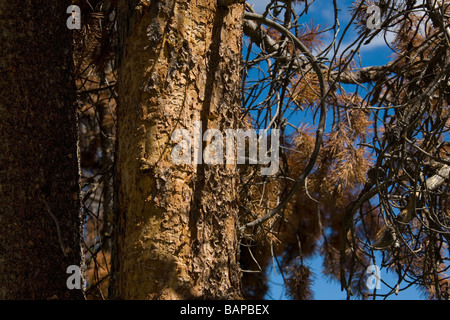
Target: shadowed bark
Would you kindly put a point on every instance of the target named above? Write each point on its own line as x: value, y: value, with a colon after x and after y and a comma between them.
x: 39, y: 174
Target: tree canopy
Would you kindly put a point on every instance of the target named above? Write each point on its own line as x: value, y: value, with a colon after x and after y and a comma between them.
x: 364, y: 154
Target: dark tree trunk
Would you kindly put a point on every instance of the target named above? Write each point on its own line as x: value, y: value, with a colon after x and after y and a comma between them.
x: 39, y: 171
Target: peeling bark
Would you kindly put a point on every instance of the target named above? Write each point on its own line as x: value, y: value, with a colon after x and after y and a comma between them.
x: 176, y: 234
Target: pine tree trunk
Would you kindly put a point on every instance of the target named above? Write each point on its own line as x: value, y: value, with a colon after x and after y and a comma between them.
x: 176, y: 236
x: 39, y: 173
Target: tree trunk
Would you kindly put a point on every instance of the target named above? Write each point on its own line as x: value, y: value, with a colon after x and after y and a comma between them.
x: 176, y: 236
x: 39, y: 172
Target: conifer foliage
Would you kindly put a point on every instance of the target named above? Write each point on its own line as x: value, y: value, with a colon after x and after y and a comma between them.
x: 364, y: 163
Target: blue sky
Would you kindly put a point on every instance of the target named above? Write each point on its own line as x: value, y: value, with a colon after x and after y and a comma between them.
x: 375, y: 53
x: 326, y: 289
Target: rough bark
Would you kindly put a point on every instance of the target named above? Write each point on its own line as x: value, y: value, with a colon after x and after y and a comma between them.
x: 176, y: 234
x: 39, y: 171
